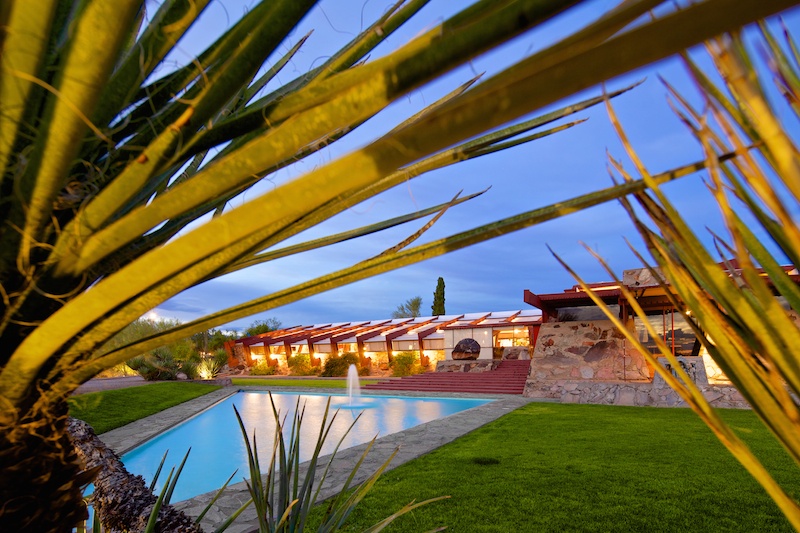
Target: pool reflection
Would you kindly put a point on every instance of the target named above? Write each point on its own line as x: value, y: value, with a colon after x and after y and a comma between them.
x: 218, y: 447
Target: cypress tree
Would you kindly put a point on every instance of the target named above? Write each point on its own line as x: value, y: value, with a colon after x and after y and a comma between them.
x: 438, y: 298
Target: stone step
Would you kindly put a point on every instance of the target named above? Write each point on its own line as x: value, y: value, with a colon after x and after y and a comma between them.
x: 508, y: 378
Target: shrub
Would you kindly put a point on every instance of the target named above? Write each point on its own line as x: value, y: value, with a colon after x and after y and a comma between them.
x: 159, y: 365
x: 405, y: 364
x: 209, y: 368
x: 191, y: 368
x: 262, y: 368
x: 300, y: 365
x: 337, y: 365
x: 221, y: 357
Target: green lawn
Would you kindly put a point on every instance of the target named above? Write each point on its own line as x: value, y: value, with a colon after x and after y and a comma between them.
x: 554, y: 468
x: 305, y: 383
x: 107, y: 410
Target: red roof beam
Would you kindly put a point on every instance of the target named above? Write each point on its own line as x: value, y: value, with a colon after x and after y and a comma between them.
x: 379, y: 331
x: 440, y: 325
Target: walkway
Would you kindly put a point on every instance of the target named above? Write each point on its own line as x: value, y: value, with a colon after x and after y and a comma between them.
x: 411, y: 444
x: 101, y: 384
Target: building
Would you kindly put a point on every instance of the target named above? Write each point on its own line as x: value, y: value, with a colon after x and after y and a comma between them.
x: 576, y: 353
x: 431, y: 338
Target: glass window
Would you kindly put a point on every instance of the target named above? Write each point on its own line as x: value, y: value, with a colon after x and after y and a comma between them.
x: 510, y: 336
x: 671, y: 327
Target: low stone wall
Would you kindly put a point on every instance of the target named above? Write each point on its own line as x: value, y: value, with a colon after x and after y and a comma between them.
x: 627, y: 393
x: 654, y: 393
x: 221, y: 381
x: 475, y: 365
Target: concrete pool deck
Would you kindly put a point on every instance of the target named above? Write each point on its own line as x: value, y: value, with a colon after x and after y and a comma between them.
x: 410, y: 444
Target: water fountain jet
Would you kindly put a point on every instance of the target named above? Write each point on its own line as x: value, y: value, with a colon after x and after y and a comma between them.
x: 353, y: 385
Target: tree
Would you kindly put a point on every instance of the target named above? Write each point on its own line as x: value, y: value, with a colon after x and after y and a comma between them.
x: 410, y: 309
x: 118, y: 172
x: 262, y: 326
x: 438, y: 298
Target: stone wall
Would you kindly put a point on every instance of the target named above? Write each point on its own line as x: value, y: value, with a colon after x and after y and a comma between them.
x: 593, y: 351
x: 476, y: 365
x: 654, y: 394
x: 638, y: 394
x: 590, y: 362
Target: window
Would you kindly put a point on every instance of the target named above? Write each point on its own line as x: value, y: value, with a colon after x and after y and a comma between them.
x: 671, y: 327
x: 510, y: 336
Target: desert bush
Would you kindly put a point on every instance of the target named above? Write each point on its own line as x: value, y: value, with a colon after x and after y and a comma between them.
x: 337, y: 365
x: 262, y: 368
x: 158, y: 365
x: 191, y: 367
x: 300, y: 365
x: 221, y: 357
x: 405, y: 364
x: 162, y: 365
x: 211, y: 367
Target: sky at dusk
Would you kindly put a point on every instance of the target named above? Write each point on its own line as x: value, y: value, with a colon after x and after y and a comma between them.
x: 493, y: 275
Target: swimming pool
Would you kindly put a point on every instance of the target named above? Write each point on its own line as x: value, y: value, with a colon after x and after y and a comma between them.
x: 218, y: 447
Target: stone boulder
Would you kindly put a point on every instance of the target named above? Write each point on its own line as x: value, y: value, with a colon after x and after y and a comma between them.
x: 466, y: 349
x: 516, y: 352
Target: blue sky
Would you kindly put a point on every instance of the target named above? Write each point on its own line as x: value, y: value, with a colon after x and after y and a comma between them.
x: 489, y: 276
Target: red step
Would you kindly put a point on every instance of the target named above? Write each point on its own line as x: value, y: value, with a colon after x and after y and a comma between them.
x: 508, y: 378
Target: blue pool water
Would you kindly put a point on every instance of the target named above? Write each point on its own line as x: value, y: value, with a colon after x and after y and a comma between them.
x: 218, y: 446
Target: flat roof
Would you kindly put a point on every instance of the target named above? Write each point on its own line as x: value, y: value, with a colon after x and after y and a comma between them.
x: 400, y: 329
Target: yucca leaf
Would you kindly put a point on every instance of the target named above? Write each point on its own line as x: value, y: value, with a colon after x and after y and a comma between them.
x: 168, y: 25
x: 89, y: 60
x: 153, y: 520
x: 158, y: 471
x: 380, y: 526
x: 425, y: 129
x: 23, y: 46
x: 217, y: 495
x: 170, y: 487
x: 345, y: 236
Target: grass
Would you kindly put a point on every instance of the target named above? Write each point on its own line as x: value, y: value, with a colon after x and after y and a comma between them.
x: 107, y: 410
x: 551, y: 467
x: 548, y: 467
x: 305, y: 383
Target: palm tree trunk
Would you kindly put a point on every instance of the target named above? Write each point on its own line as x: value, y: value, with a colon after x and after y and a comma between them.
x: 42, y: 477
x: 122, y: 501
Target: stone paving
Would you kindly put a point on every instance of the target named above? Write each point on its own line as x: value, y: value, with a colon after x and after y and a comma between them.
x: 409, y: 444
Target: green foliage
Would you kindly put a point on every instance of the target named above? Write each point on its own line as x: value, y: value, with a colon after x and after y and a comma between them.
x: 262, y: 326
x: 405, y: 364
x: 108, y: 410
x: 162, y: 364
x: 210, y: 367
x: 438, y: 298
x: 588, y: 468
x: 410, y: 309
x: 211, y: 340
x: 156, y: 366
x: 262, y: 368
x: 300, y: 365
x: 284, y: 496
x: 337, y: 366
x: 221, y: 357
